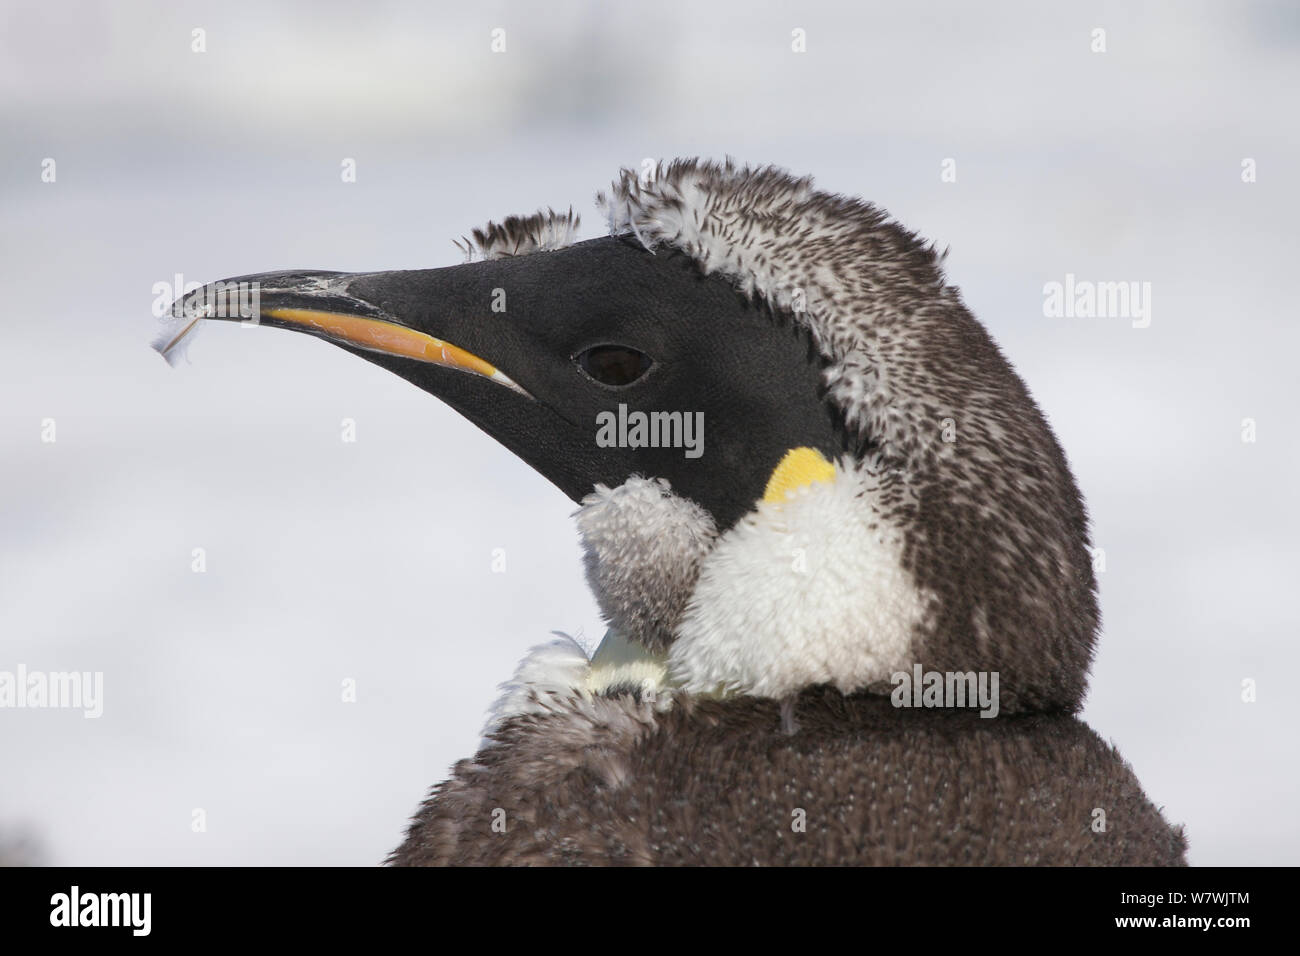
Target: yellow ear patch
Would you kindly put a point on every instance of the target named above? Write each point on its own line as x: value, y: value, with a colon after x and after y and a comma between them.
x: 799, y: 467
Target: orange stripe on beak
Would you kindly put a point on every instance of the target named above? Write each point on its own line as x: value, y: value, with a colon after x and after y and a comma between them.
x: 392, y: 339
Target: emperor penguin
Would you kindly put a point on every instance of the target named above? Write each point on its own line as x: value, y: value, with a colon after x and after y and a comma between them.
x: 821, y: 514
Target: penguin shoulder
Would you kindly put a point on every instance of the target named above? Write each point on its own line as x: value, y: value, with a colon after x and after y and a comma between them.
x: 721, y: 782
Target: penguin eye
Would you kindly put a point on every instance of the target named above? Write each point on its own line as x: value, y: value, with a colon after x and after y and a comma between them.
x: 615, y: 365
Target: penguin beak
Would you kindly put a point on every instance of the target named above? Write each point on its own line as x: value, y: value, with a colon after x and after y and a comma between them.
x: 322, y: 304
x: 447, y: 332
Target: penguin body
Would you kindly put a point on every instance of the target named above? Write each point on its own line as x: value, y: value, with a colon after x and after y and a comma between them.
x: 719, y: 783
x: 875, y: 493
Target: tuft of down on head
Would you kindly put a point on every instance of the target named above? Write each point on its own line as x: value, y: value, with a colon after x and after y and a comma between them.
x: 544, y: 231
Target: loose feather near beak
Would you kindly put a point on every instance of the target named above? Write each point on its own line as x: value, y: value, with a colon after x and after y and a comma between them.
x: 366, y: 332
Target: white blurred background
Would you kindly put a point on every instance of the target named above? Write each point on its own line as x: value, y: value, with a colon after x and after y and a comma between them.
x: 372, y: 560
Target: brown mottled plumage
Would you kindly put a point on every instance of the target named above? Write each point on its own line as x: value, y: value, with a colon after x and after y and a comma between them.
x: 718, y: 783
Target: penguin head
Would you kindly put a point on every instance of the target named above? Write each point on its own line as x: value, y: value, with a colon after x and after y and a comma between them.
x: 799, y: 459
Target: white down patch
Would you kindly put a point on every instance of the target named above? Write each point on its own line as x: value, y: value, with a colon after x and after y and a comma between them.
x: 548, y: 674
x: 558, y: 678
x: 811, y: 590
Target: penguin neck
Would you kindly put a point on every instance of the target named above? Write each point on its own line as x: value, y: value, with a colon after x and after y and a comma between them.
x: 621, y: 664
